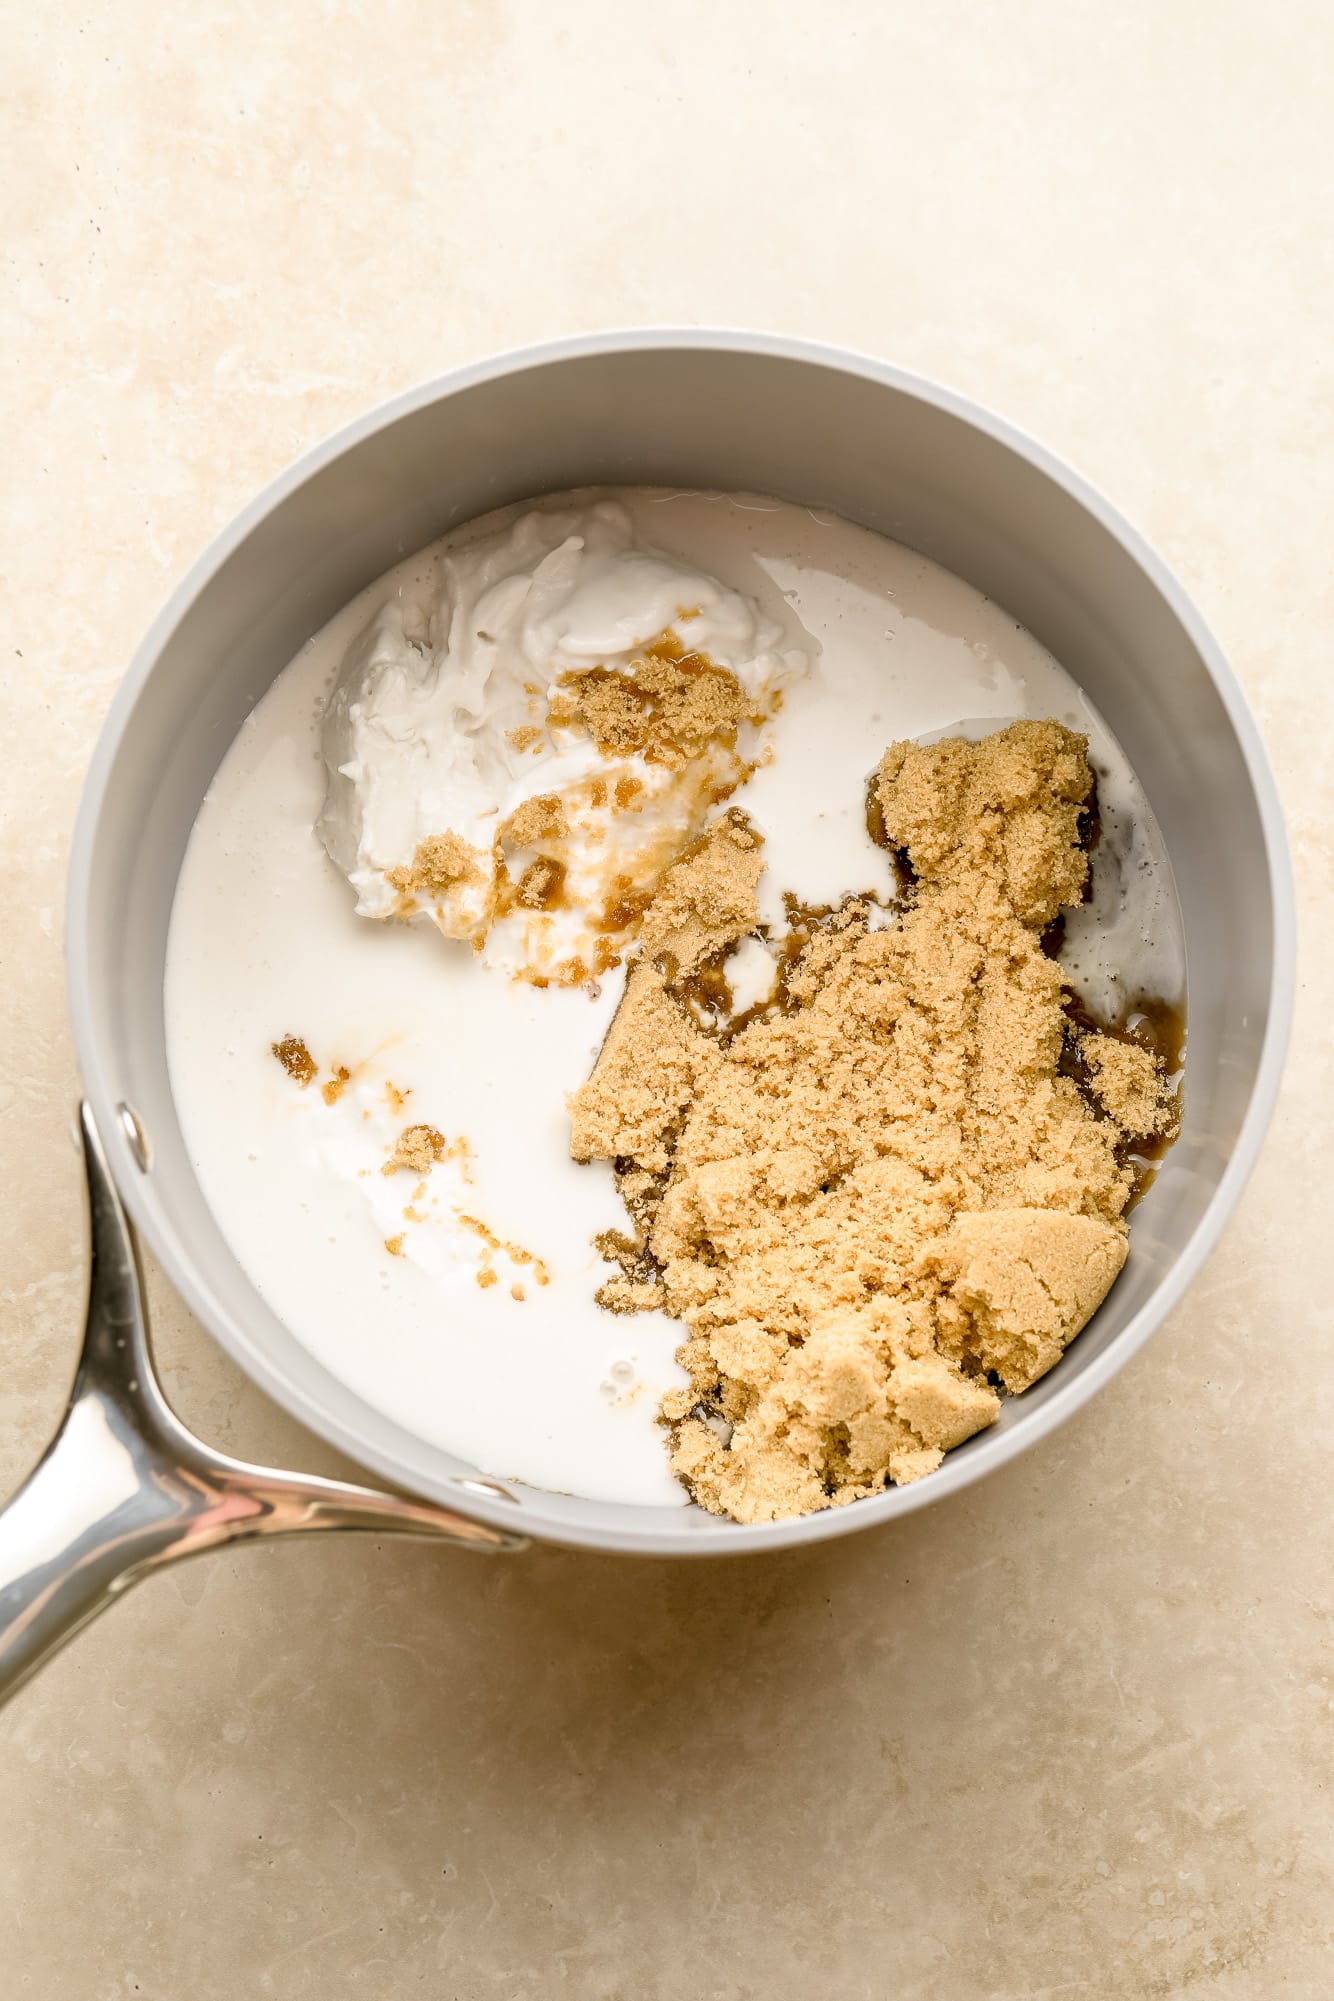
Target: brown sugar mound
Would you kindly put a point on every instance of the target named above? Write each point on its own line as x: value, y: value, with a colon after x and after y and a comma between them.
x: 882, y: 1202
x: 1003, y: 813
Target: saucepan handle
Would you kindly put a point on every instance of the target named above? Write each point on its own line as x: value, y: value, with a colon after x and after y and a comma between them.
x: 124, y: 1487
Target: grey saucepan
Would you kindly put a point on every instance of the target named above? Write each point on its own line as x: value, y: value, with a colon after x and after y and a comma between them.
x: 124, y: 1487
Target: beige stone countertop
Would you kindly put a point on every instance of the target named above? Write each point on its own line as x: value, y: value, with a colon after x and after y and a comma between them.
x: 1068, y: 1735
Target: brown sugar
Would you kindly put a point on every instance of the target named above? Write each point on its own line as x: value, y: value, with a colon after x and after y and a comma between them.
x: 1128, y: 1083
x: 882, y: 1201
x: 440, y: 863
x: 541, y: 818
x: 651, y: 1066
x: 417, y: 1149
x: 666, y: 706
x: 706, y: 899
x: 333, y: 1090
x: 491, y: 1243
x: 540, y: 884
x: 296, y: 1059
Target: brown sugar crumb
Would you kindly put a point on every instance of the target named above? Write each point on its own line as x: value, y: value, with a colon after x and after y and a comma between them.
x: 886, y: 1199
x: 706, y: 900
x: 514, y: 1252
x: 516, y: 1292
x: 417, y: 1149
x: 1129, y: 1083
x: 525, y: 737
x: 666, y: 706
x: 296, y: 1059
x: 333, y: 1090
x: 440, y: 864
x: 394, y: 1098
x: 541, y: 883
x: 628, y: 1295
x: 394, y: 1245
x: 485, y: 1277
x: 539, y: 819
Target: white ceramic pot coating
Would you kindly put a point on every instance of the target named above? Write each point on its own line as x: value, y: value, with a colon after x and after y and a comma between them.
x: 729, y: 411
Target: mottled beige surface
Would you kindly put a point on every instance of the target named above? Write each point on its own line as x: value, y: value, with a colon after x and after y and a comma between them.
x: 1069, y: 1735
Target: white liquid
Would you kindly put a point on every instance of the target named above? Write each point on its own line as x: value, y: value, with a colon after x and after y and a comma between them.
x: 550, y: 1389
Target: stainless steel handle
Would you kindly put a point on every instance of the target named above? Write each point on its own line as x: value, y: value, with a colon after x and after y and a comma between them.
x: 124, y: 1488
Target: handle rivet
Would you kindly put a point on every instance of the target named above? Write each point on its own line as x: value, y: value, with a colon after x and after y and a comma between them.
x: 491, y: 1488
x: 132, y: 1127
